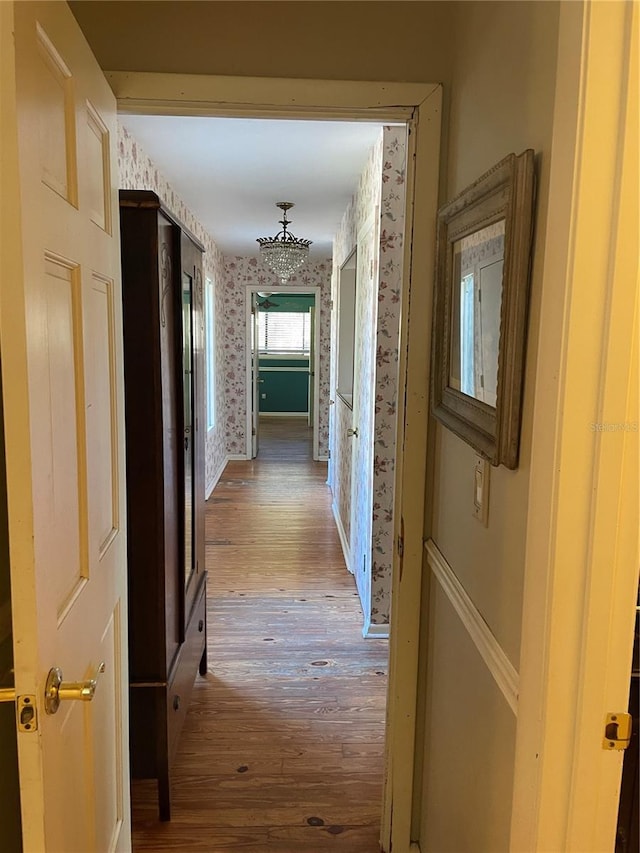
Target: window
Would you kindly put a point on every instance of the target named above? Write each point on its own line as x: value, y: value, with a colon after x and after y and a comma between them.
x: 210, y: 351
x: 283, y: 332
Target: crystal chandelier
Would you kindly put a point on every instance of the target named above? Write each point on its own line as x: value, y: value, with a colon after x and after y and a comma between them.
x: 284, y: 253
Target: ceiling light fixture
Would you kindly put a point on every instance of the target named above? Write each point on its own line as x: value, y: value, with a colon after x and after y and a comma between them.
x: 284, y: 253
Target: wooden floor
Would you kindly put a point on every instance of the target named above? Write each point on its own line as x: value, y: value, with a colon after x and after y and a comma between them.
x: 283, y: 743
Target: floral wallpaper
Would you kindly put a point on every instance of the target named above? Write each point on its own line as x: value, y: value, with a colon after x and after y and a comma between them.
x: 138, y: 172
x: 392, y: 207
x: 380, y: 194
x: 239, y: 273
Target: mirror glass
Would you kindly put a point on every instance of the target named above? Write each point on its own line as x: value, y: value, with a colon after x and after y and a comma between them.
x: 476, y: 299
x: 187, y: 389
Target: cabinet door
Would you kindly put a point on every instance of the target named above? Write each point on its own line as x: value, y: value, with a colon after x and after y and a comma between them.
x: 168, y: 268
x: 188, y: 423
x: 193, y: 417
x: 200, y: 415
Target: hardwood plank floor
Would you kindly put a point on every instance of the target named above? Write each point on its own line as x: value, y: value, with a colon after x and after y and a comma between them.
x: 282, y: 749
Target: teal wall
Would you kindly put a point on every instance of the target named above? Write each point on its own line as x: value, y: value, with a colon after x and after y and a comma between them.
x: 287, y: 302
x: 285, y: 391
x: 10, y: 828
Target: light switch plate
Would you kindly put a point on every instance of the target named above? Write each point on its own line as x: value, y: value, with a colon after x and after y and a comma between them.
x: 481, y: 490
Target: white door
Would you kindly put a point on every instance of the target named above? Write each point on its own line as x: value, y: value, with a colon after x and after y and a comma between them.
x: 255, y: 378
x: 312, y: 366
x: 60, y: 324
x: 361, y: 431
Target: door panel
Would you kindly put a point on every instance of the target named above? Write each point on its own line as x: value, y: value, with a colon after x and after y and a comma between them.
x: 361, y: 507
x: 255, y: 378
x: 101, y: 404
x: 62, y: 371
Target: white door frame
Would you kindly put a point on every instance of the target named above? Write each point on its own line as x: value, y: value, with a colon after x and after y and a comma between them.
x: 419, y: 105
x: 249, y: 291
x: 581, y: 570
x: 589, y: 246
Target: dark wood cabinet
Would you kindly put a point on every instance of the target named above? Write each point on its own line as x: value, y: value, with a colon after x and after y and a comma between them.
x: 163, y: 316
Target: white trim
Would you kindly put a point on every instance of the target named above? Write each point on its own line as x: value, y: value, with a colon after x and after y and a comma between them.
x: 503, y: 671
x: 301, y: 415
x: 322, y: 458
x: 237, y: 457
x: 270, y: 356
x: 283, y: 369
x: 361, y: 517
x: 581, y: 558
x: 199, y: 94
x: 419, y: 105
x: 375, y: 632
x: 412, y: 443
x: 343, y: 536
x: 214, y: 480
x: 248, y: 371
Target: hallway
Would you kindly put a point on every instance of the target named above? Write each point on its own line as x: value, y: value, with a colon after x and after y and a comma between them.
x: 282, y: 748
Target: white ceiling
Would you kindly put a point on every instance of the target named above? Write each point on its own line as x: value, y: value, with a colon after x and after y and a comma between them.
x: 230, y: 172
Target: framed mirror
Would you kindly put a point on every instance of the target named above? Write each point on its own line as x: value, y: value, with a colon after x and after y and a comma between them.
x: 483, y: 256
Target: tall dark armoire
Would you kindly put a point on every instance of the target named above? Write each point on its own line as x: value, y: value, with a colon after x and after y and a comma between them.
x: 163, y: 311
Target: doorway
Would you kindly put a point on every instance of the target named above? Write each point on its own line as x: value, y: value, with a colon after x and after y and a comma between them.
x: 397, y: 292
x: 284, y: 337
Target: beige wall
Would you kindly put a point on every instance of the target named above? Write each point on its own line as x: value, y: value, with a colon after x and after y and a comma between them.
x: 403, y: 41
x: 502, y: 95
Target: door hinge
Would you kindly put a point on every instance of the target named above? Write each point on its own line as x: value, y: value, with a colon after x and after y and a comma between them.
x: 617, y: 730
x: 253, y: 430
x: 400, y: 547
x: 328, y: 454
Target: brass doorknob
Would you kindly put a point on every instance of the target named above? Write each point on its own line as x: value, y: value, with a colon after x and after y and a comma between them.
x: 56, y: 690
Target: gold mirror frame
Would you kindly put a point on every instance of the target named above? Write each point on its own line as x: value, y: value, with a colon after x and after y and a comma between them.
x: 505, y: 192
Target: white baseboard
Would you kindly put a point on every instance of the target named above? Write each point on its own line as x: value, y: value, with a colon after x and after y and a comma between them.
x: 304, y: 415
x: 214, y: 480
x: 376, y: 632
x: 342, y: 535
x: 237, y: 457
x: 322, y: 459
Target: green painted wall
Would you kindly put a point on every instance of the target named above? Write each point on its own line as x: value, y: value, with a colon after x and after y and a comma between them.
x: 293, y: 302
x: 10, y: 828
x: 285, y: 391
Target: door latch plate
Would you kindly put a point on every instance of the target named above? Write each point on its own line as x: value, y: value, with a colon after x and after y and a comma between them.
x: 617, y: 731
x: 27, y: 713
